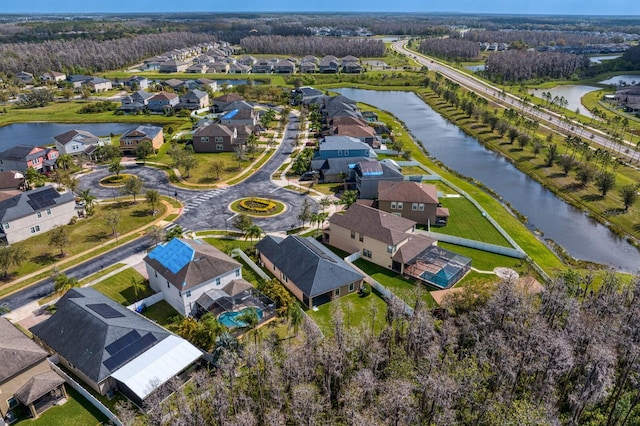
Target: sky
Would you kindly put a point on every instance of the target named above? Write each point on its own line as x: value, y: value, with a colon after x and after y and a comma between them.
x: 546, y: 7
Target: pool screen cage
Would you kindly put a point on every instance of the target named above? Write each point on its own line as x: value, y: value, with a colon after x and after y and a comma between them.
x: 438, y: 267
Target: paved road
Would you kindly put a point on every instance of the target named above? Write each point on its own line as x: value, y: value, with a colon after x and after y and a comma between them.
x: 542, y: 115
x: 207, y: 209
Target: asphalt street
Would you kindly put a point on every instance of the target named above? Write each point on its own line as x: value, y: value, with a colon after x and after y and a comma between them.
x: 205, y: 209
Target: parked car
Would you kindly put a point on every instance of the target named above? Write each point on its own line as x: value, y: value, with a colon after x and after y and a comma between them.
x: 306, y: 176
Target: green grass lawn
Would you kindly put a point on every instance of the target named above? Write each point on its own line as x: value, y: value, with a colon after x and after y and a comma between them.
x: 76, y: 411
x: 466, y: 221
x: 360, y: 312
x: 401, y: 287
x: 483, y: 260
x: 476, y: 277
x: 225, y: 245
x: 100, y: 273
x: 160, y: 313
x: 119, y: 287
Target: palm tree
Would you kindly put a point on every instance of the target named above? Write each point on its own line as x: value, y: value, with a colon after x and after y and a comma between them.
x: 250, y: 318
x: 295, y: 317
x: 318, y: 218
x: 33, y: 178
x: 88, y: 199
x: 254, y: 231
x: 64, y: 161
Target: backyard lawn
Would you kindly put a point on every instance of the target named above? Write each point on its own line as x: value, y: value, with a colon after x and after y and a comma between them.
x: 403, y: 288
x: 160, y: 313
x: 225, y: 245
x: 361, y: 312
x: 484, y: 260
x: 120, y: 288
x: 76, y: 411
x: 466, y: 221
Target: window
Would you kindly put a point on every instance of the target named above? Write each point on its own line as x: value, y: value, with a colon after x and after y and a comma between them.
x: 346, y: 152
x: 48, y: 212
x: 39, y: 215
x: 237, y: 273
x: 5, y: 225
x: 35, y: 229
x: 367, y: 253
x: 421, y: 207
x: 12, y: 402
x: 339, y: 153
x: 351, y: 286
x: 337, y: 291
x: 168, y: 285
x: 219, y: 147
x: 390, y: 249
x: 188, y: 293
x: 400, y: 205
x: 155, y: 273
x: 414, y: 207
x: 218, y: 139
x: 217, y: 281
x: 393, y: 205
x: 353, y: 235
x: 361, y: 237
x: 204, y: 139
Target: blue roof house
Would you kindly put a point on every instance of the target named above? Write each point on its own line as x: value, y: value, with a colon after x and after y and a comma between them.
x: 343, y: 146
x: 185, y: 270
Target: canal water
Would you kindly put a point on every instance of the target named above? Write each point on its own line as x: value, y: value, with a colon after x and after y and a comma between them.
x: 582, y: 237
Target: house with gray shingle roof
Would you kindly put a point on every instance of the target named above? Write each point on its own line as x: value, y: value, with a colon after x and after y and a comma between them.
x: 109, y: 347
x: 21, y: 157
x: 25, y: 374
x: 414, y: 200
x: 313, y: 273
x: 74, y: 142
x: 183, y: 270
x: 34, y: 212
x: 382, y: 238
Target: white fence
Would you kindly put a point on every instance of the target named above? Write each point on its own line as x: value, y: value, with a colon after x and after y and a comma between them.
x: 251, y: 263
x: 147, y: 301
x: 465, y: 242
x: 86, y: 394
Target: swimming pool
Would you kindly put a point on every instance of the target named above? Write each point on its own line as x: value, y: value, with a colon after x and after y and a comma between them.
x: 229, y: 319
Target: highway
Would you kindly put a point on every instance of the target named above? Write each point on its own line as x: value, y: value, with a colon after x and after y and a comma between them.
x: 545, y: 117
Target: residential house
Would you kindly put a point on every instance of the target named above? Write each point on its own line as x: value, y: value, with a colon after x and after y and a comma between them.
x: 194, y: 100
x: 34, y: 212
x: 21, y: 157
x: 240, y: 116
x: 356, y: 128
x: 204, y: 83
x: 77, y: 80
x: 312, y: 272
x: 215, y: 138
x: 370, y: 116
x: 239, y: 69
x: 247, y: 60
x: 111, y: 348
x: 197, y: 69
x: 221, y: 102
x: 53, y: 76
x: 343, y: 146
x: 154, y: 63
x: 218, y: 67
x: 75, y: 142
x: 162, y: 102
x: 262, y: 66
x: 136, y: 83
x: 184, y: 270
x: 382, y: 238
x: 130, y: 140
x: 309, y: 58
x: 25, y: 77
x: 284, y: 66
x: 173, y: 66
x: 628, y: 97
x: 203, y: 59
x: 413, y: 200
x: 11, y: 183
x: 351, y: 65
x: 335, y: 170
x: 174, y: 83
x: 97, y: 84
x: 25, y: 374
x: 304, y: 95
x: 368, y: 174
x: 329, y: 65
x: 307, y: 67
x: 135, y: 102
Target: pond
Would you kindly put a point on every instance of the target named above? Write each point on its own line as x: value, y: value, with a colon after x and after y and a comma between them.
x: 582, y: 237
x: 572, y: 93
x: 232, y: 82
x: 476, y: 68
x: 624, y: 79
x: 599, y: 59
x: 43, y: 133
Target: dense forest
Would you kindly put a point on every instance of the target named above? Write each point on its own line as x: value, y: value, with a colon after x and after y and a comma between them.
x: 90, y: 56
x: 453, y: 49
x: 503, y: 356
x: 319, y: 46
x: 541, y: 38
x: 629, y: 61
x: 523, y: 65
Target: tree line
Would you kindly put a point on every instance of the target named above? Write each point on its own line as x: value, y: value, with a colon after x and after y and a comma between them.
x: 319, y: 46
x: 569, y: 355
x: 525, y: 65
x: 454, y: 49
x: 539, y: 38
x: 89, y: 56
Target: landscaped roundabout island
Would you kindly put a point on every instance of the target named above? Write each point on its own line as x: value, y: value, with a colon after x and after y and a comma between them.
x: 116, y: 180
x: 259, y: 207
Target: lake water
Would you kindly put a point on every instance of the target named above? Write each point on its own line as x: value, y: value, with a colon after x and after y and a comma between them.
x: 622, y: 79
x: 43, y: 133
x: 232, y: 82
x: 582, y: 237
x: 598, y: 59
x: 476, y: 68
x: 572, y: 93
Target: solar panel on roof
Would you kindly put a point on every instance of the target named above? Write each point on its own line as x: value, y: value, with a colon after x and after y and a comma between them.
x: 43, y: 199
x: 122, y: 342
x: 129, y: 352
x: 105, y: 311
